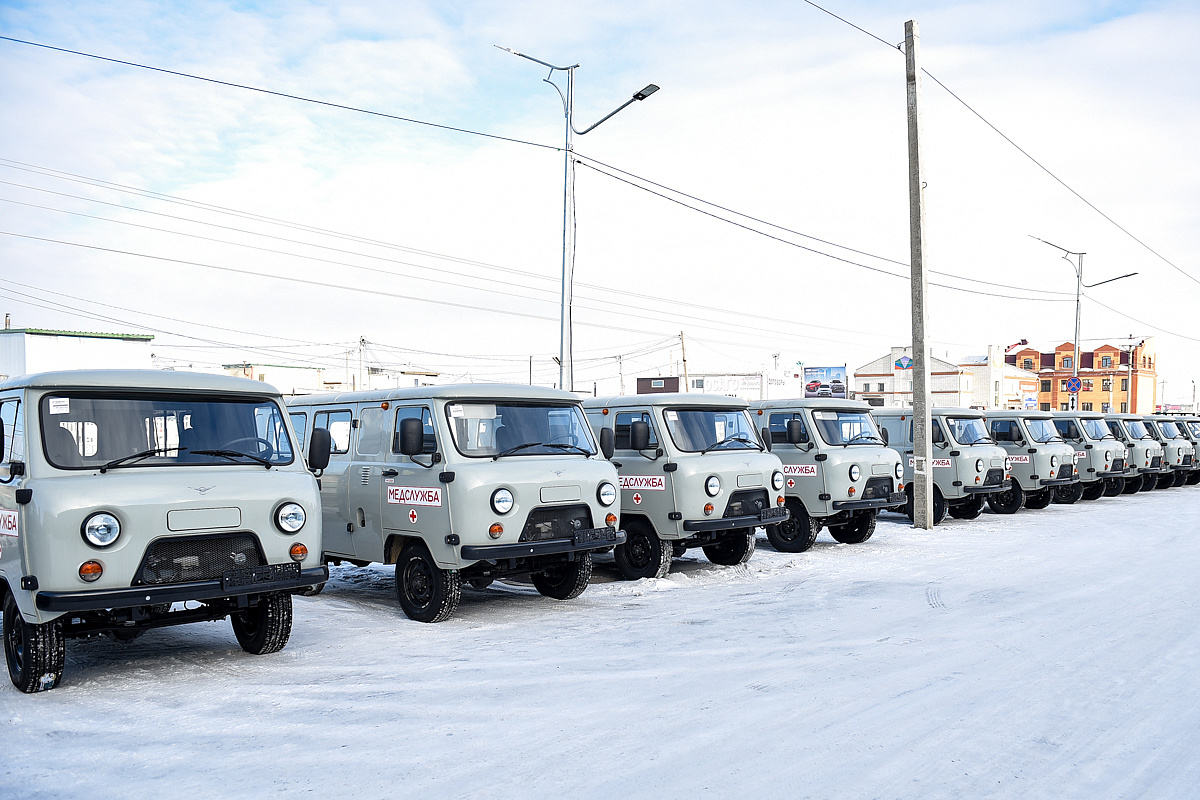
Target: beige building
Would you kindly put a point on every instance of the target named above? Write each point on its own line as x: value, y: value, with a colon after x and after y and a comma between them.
x: 888, y: 381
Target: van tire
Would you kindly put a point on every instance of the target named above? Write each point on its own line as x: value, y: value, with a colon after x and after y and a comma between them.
x: 939, y: 504
x: 795, y: 534
x: 314, y: 590
x: 426, y: 592
x: 857, y: 531
x: 564, y: 581
x: 1008, y: 501
x: 643, y: 555
x: 35, y: 653
x: 266, y: 626
x: 970, y: 508
x: 1134, y: 485
x: 1069, y: 494
x: 1165, y: 480
x: 1193, y: 477
x: 1180, y: 478
x: 734, y: 548
x: 1041, y: 499
x: 1114, y: 486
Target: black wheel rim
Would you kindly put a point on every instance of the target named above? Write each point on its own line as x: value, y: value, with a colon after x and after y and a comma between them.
x: 14, y: 641
x: 418, y: 582
x: 249, y: 621
x: 789, y: 530
x: 638, y: 550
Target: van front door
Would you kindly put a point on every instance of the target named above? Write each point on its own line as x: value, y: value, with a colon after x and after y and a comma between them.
x: 414, y: 500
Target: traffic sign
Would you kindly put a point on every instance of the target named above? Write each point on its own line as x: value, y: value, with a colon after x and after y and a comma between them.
x: 1074, y: 385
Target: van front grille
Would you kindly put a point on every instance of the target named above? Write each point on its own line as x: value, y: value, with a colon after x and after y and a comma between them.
x: 556, y: 522
x: 197, y: 558
x: 993, y: 477
x: 751, y: 501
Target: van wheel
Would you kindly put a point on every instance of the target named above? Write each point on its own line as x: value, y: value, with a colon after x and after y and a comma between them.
x: 795, y: 534
x: 1193, y: 477
x: 1133, y: 485
x: 734, y: 548
x: 1008, y: 501
x: 35, y: 653
x: 564, y: 581
x: 427, y: 593
x: 643, y: 555
x: 857, y: 531
x: 1066, y: 495
x: 1036, y: 500
x: 939, y: 504
x: 1165, y: 480
x: 1153, y: 482
x: 970, y: 508
x: 1180, y: 477
x: 266, y: 626
x: 1113, y: 486
x: 1095, y: 490
x: 314, y: 590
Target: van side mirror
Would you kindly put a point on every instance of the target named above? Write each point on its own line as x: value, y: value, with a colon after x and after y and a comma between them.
x: 639, y: 435
x: 766, y: 437
x: 320, y: 443
x: 412, y: 437
x: 1, y: 438
x: 608, y: 442
x: 884, y: 435
x: 795, y: 432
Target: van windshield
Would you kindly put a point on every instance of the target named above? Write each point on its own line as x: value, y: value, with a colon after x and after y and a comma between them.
x: 1137, y: 429
x: 1096, y: 429
x: 82, y: 430
x: 495, y: 430
x: 1168, y: 430
x: 1042, y: 430
x: 846, y: 427
x: 1194, y: 427
x: 968, y: 430
x: 696, y: 430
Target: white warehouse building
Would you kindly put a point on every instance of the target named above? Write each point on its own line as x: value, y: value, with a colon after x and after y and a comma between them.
x: 888, y: 381
x: 24, y: 351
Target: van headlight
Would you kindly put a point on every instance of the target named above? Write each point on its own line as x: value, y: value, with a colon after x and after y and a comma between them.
x: 606, y: 493
x: 899, y: 470
x: 290, y: 517
x: 855, y: 472
x: 712, y: 486
x: 1054, y: 461
x: 502, y: 501
x: 777, y: 480
x: 101, y: 529
x: 979, y: 465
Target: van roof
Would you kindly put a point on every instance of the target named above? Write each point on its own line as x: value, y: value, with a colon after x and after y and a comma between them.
x: 666, y: 399
x: 451, y: 391
x: 1018, y: 413
x: 1077, y: 414
x: 813, y: 402
x: 953, y: 411
x: 157, y: 379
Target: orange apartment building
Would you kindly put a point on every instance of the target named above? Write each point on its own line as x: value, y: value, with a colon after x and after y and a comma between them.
x: 1115, y: 379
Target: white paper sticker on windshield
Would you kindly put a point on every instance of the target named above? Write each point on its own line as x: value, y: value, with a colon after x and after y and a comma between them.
x: 672, y: 416
x: 60, y: 405
x: 456, y: 411
x: 825, y: 415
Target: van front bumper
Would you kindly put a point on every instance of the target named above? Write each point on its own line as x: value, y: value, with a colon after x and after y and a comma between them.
x: 101, y: 599
x: 584, y: 541
x: 768, y: 516
x: 893, y: 499
x: 1002, y: 486
x: 1060, y: 481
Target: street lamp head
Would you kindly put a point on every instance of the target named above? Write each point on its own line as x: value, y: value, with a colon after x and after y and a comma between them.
x: 644, y: 93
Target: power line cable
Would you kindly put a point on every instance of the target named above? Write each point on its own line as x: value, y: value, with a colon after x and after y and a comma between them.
x: 284, y: 94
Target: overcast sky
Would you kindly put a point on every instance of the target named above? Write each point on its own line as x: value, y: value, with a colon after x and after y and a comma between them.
x: 443, y: 249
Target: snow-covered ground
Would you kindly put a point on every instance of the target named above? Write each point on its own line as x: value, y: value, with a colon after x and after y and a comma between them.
x: 1049, y: 654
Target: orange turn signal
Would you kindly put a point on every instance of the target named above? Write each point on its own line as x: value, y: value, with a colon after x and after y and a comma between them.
x: 298, y: 552
x: 851, y: 491
x: 708, y: 509
x: 90, y: 570
x: 779, y: 500
x: 611, y: 520
x: 496, y: 531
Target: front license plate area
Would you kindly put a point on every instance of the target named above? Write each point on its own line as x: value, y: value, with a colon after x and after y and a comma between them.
x: 254, y: 576
x: 773, y: 513
x: 595, y: 535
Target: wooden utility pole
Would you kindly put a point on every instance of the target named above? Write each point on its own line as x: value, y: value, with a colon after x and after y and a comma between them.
x: 922, y: 440
x: 683, y: 352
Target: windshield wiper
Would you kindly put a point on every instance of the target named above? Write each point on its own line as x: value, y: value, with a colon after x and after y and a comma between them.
x: 231, y: 454
x: 515, y: 448
x: 134, y: 457
x: 729, y: 439
x: 864, y: 435
x: 566, y: 446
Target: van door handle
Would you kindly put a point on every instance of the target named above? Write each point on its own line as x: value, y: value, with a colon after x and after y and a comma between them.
x: 389, y: 473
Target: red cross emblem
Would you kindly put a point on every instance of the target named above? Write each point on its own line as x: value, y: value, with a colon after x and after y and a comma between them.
x: 637, y: 498
x: 791, y: 483
x: 412, y: 515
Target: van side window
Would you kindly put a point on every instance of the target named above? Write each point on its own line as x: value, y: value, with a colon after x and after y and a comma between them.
x: 370, y: 431
x: 299, y: 422
x: 1066, y: 429
x: 621, y: 428
x: 338, y: 425
x: 778, y: 425
x: 1003, y: 430
x: 14, y: 433
x: 421, y: 413
x: 1116, y: 429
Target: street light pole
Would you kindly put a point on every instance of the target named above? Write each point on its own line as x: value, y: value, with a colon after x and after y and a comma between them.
x: 566, y: 358
x: 1077, y: 265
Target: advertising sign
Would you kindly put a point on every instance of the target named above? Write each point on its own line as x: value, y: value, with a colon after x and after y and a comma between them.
x: 825, y: 382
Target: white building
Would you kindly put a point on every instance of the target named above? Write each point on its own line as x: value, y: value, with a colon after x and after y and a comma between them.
x: 888, y: 381
x: 998, y: 384
x: 24, y: 351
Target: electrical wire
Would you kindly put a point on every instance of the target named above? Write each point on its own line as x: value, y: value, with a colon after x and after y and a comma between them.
x: 283, y: 94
